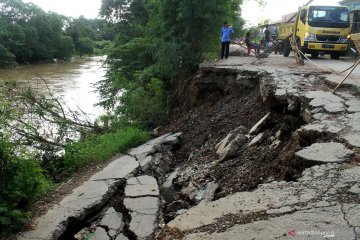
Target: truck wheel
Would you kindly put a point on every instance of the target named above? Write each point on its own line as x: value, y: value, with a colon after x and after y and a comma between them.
x: 286, y: 49
x: 335, y: 55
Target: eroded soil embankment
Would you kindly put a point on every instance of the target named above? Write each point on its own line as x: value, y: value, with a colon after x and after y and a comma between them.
x: 223, y: 101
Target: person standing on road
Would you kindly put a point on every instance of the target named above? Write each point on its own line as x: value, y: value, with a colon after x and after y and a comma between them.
x: 267, y: 38
x: 225, y: 34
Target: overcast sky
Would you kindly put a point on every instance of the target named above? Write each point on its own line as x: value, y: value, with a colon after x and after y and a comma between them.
x: 275, y: 9
x: 70, y: 8
x: 90, y: 8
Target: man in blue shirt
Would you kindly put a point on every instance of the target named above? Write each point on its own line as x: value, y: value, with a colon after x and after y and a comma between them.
x: 225, y: 34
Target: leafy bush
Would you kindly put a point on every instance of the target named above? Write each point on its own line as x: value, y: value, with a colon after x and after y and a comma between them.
x: 22, y: 182
x: 143, y: 103
x: 103, y: 47
x: 84, y: 46
x: 98, y: 148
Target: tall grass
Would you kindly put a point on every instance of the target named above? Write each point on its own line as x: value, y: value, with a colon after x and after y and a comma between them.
x: 96, y: 148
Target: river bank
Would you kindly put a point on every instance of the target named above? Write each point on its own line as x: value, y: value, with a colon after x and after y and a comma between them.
x: 254, y: 140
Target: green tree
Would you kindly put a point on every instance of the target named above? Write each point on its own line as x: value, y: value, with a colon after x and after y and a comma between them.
x: 65, y: 48
x: 6, y: 57
x: 30, y: 33
x: 161, y: 39
x: 84, y: 46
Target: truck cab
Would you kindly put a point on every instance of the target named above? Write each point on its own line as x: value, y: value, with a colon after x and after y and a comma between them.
x: 322, y: 29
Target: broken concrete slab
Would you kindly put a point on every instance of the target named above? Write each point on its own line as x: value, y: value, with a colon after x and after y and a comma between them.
x: 355, y: 189
x: 328, y: 100
x: 315, y: 185
x: 154, y: 145
x: 100, y: 234
x: 117, y: 169
x: 324, y: 126
x: 325, y: 153
x: 318, y: 223
x: 143, y: 151
x: 92, y: 194
x: 260, y: 124
x: 51, y: 225
x: 141, y: 186
x: 353, y: 139
x: 353, y: 105
x: 113, y: 221
x: 88, y: 195
x: 144, y: 205
x: 144, y: 215
x: 121, y: 237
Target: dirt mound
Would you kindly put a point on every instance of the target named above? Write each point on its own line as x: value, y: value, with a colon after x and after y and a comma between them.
x: 206, y: 125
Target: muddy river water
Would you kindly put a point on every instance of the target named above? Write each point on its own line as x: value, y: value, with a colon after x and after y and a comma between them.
x: 72, y: 82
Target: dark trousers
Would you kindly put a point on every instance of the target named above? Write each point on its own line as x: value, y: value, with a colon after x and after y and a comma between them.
x: 225, y: 47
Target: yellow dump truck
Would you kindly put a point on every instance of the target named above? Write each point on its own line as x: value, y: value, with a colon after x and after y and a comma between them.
x: 320, y: 29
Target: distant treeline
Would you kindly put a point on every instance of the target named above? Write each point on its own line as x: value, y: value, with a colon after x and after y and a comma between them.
x: 29, y: 34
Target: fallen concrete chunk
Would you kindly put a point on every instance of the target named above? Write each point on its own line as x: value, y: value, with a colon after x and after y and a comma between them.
x: 233, y: 147
x: 260, y: 124
x: 275, y: 144
x: 257, y: 140
x: 141, y: 186
x: 220, y: 147
x: 190, y: 191
x: 210, y: 191
x: 325, y: 152
x: 144, y: 215
x: 113, y: 221
x: 170, y: 178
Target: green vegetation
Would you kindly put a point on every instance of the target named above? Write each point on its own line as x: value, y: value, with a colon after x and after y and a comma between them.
x: 154, y: 47
x: 97, y: 148
x: 6, y: 57
x: 25, y: 175
x: 31, y: 35
x: 162, y: 40
x: 22, y: 180
x: 84, y: 46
